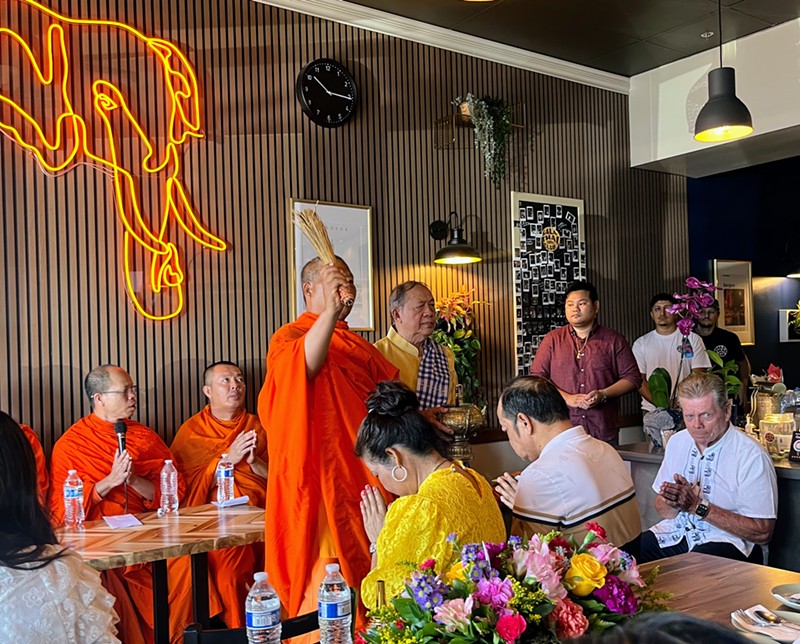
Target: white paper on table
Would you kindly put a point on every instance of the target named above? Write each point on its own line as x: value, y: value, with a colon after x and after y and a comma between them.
x: 239, y: 500
x: 122, y: 521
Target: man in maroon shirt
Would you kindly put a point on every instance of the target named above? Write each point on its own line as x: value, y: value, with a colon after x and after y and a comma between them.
x: 591, y: 365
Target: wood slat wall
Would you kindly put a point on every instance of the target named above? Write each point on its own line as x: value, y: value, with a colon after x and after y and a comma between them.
x: 64, y: 309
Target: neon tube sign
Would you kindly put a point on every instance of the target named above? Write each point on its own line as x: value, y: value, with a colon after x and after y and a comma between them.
x: 62, y: 144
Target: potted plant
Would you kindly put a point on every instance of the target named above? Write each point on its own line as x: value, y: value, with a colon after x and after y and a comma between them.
x: 455, y: 330
x: 492, y: 120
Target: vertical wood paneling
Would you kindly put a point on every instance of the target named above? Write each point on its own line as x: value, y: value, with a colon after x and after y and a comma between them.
x: 64, y: 307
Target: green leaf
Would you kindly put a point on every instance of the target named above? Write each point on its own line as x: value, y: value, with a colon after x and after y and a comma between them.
x: 714, y: 356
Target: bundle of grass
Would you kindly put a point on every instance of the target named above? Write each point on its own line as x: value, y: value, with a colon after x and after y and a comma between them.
x: 314, y: 229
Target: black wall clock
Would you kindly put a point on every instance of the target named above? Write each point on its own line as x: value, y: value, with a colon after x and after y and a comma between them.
x: 326, y: 92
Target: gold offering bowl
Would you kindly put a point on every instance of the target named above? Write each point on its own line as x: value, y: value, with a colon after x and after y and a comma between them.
x: 465, y: 421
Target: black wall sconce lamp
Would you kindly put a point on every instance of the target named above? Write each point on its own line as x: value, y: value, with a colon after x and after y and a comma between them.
x: 457, y: 250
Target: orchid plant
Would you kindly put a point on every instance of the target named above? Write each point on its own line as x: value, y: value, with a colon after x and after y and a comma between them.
x: 700, y: 296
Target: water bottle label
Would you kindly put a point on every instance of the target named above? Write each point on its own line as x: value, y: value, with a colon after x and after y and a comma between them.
x: 73, y: 493
x: 334, y: 610
x: 265, y: 619
x: 225, y: 473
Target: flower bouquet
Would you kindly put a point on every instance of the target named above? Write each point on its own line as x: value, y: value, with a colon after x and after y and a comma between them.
x: 536, y: 591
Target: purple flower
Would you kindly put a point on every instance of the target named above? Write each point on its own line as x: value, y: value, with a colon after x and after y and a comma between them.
x: 705, y: 300
x: 452, y: 537
x: 494, y: 592
x: 693, y: 282
x: 675, y: 309
x: 685, y: 325
x: 617, y: 596
x: 514, y: 541
x: 693, y: 309
x: 428, y: 590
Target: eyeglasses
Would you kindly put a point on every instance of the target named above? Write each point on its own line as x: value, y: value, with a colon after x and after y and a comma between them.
x: 133, y: 389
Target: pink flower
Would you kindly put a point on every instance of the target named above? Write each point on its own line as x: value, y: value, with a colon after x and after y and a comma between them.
x: 569, y: 619
x: 631, y: 575
x: 693, y: 282
x: 685, y: 325
x: 539, y: 565
x: 595, y: 527
x: 454, y: 613
x: 428, y: 564
x: 494, y: 592
x: 693, y: 308
x: 510, y: 627
x: 606, y: 554
x: 705, y: 300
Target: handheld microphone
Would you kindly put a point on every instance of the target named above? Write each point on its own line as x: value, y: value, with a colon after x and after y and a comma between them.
x: 120, y: 428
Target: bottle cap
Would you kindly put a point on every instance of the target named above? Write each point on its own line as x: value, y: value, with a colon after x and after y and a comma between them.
x: 260, y: 576
x: 224, y: 456
x: 72, y: 471
x: 332, y: 568
x: 167, y: 460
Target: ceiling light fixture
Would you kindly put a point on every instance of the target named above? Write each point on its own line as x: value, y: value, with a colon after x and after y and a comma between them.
x: 457, y: 250
x: 724, y: 117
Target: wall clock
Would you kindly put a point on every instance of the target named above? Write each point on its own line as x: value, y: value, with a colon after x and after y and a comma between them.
x: 326, y: 92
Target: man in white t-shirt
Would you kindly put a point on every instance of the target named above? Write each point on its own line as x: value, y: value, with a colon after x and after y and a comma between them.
x: 716, y: 489
x: 573, y: 478
x: 665, y: 346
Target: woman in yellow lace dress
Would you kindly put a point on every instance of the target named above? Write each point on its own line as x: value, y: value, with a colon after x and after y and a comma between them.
x: 436, y: 496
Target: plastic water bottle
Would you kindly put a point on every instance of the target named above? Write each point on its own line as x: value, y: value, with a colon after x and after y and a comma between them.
x: 263, y: 612
x: 73, y: 500
x: 334, y: 612
x: 224, y: 480
x: 169, y: 489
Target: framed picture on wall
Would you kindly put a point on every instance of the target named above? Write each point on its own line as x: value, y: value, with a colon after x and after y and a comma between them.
x: 547, y: 238
x: 787, y: 331
x: 350, y: 230
x: 735, y: 295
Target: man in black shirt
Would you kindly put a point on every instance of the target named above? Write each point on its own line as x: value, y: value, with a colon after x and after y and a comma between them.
x: 725, y: 344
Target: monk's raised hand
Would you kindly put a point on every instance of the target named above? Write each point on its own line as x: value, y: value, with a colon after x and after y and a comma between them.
x: 332, y: 277
x: 373, y: 512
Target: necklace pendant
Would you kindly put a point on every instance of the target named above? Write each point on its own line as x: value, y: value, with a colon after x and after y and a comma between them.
x: 579, y: 355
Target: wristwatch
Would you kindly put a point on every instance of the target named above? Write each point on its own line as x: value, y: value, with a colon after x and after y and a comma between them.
x: 702, y: 509
x: 373, y: 547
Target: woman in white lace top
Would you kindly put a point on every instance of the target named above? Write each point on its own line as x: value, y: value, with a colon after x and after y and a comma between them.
x: 48, y: 594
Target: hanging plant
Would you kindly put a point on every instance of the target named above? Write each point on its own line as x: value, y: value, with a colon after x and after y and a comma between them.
x: 492, y: 120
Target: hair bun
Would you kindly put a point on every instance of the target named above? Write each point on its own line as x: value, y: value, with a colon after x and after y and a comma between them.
x: 392, y: 398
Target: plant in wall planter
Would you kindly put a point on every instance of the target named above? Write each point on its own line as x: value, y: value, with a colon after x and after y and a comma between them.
x: 492, y: 120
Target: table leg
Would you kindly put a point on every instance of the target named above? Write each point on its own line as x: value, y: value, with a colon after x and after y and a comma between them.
x: 200, y: 588
x: 160, y: 601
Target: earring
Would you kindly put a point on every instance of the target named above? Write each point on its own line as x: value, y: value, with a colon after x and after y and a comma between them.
x: 405, y: 473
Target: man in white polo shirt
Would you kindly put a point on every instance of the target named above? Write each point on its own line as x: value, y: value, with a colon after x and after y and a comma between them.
x: 716, y: 489
x: 573, y: 478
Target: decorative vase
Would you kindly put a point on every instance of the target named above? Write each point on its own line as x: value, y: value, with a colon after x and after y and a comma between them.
x: 465, y: 421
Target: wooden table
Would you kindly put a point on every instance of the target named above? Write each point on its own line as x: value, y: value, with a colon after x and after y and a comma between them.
x: 194, y: 531
x: 712, y: 587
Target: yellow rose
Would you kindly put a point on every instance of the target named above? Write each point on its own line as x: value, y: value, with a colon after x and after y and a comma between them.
x: 456, y: 572
x: 584, y: 575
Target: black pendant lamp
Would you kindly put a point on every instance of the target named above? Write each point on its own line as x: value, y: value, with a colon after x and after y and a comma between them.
x: 724, y: 117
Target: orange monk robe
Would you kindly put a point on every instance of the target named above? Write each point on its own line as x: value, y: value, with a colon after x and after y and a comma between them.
x: 42, y: 481
x: 89, y: 447
x: 315, y: 480
x: 197, y: 447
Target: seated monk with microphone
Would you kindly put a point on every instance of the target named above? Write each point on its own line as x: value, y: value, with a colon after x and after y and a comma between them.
x: 119, y: 461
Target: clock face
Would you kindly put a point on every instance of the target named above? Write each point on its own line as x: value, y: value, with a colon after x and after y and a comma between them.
x: 327, y: 92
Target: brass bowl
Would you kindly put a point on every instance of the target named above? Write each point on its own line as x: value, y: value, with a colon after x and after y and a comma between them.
x: 465, y: 421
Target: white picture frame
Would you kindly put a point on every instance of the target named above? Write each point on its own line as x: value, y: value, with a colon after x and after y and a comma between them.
x: 350, y: 230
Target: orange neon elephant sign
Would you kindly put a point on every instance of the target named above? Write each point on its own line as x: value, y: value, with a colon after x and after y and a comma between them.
x: 64, y: 114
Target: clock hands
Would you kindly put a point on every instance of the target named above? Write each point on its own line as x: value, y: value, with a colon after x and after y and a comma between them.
x: 329, y: 92
x: 349, y: 98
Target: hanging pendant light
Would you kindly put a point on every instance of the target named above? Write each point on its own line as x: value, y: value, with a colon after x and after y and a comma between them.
x: 724, y: 117
x: 457, y: 250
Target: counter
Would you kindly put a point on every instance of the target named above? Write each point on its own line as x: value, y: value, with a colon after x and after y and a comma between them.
x: 783, y: 549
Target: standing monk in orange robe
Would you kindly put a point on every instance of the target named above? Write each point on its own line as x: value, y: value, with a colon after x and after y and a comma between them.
x: 224, y: 426
x: 90, y: 447
x: 42, y: 481
x: 319, y: 373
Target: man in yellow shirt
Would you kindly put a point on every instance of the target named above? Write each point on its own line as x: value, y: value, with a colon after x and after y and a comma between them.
x: 425, y: 367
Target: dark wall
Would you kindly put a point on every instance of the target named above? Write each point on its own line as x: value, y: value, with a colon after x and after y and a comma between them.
x: 64, y: 310
x: 752, y: 214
